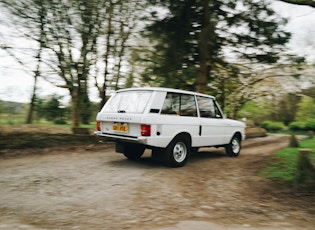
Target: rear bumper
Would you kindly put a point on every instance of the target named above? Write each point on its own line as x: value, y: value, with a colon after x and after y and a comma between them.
x: 117, y: 138
x: 151, y: 141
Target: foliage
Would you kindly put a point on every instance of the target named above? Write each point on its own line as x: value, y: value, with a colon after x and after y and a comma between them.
x: 308, y: 125
x: 254, y: 34
x: 306, y: 109
x: 295, y: 111
x: 187, y: 18
x: 297, y: 125
x: 255, y: 111
x: 69, y: 42
x: 116, y: 47
x: 286, y: 108
x: 272, y: 126
x: 51, y: 110
x: 309, y: 91
x: 15, y: 113
x: 189, y: 46
x: 195, y: 40
x: 12, y: 112
x: 284, y: 164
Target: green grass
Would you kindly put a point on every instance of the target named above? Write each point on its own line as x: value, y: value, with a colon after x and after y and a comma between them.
x: 285, y: 162
x: 290, y: 132
x: 20, y: 120
x: 11, y: 119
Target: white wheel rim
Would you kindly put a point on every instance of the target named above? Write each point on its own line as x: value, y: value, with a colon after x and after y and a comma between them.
x: 235, y: 146
x: 179, y: 152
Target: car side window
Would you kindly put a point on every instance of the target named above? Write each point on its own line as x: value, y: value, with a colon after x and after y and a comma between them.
x: 171, y: 104
x: 208, y: 108
x: 188, y: 105
x: 217, y: 111
x: 179, y: 104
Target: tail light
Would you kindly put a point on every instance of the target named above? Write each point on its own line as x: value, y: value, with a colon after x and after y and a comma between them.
x: 145, y: 130
x: 98, y: 125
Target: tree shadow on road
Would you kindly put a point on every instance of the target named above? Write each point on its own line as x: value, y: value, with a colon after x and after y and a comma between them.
x: 207, y: 153
x: 147, y: 162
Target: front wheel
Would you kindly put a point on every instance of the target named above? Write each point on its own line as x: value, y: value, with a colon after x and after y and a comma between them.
x: 234, y: 147
x: 177, y: 152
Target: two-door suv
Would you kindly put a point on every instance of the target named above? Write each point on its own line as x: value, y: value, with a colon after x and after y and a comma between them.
x: 171, y: 122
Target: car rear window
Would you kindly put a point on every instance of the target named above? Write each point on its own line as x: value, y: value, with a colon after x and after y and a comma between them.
x: 128, y: 102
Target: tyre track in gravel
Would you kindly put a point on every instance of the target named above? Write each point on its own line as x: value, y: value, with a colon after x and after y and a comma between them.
x: 95, y: 188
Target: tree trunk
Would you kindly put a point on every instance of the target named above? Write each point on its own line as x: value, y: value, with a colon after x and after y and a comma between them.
x: 29, y: 118
x: 202, y: 77
x: 204, y: 54
x: 207, y: 41
x: 42, y: 15
x: 75, y: 100
x: 222, y: 99
x: 106, y: 55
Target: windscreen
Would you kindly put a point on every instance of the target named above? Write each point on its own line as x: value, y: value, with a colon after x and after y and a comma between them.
x: 128, y: 102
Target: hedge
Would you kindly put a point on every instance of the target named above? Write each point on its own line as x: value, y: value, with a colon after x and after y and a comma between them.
x: 272, y: 126
x: 302, y: 125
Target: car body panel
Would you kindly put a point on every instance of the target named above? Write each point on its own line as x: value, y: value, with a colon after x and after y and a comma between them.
x: 146, y: 106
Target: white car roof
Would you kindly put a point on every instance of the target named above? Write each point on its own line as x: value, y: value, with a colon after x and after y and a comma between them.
x: 161, y: 89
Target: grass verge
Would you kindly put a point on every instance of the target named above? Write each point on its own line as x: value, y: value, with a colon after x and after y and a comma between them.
x: 43, y: 140
x: 284, y: 164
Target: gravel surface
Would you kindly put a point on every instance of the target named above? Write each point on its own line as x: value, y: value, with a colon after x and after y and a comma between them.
x: 92, y: 187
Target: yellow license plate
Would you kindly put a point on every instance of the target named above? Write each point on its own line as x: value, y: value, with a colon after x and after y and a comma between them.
x: 120, y: 127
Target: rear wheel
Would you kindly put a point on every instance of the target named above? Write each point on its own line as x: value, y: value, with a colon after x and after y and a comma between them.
x: 177, y: 152
x: 133, y: 151
x: 234, y: 147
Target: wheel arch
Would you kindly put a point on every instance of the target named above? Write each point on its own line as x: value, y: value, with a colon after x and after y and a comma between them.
x: 238, y: 135
x: 184, y: 135
x: 178, y: 150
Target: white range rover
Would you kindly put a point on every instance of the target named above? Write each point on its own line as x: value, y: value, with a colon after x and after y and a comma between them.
x: 171, y: 122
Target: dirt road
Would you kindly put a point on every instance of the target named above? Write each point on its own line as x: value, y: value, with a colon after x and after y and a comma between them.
x: 92, y: 187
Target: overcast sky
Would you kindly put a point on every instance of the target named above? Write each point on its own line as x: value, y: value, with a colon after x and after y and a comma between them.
x: 16, y: 84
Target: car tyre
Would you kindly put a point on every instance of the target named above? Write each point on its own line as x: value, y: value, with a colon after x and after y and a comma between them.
x: 234, y: 147
x: 177, y: 152
x: 133, y: 151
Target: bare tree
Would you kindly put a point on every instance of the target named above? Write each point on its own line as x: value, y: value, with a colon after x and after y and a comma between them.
x: 37, y: 72
x: 259, y: 81
x: 78, y: 39
x: 122, y: 19
x: 310, y: 3
x: 67, y: 34
x: 71, y: 39
x: 29, y: 16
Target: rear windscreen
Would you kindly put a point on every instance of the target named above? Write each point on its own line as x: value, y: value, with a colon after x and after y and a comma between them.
x: 128, y: 102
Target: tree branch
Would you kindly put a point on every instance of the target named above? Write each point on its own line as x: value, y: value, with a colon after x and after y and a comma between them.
x: 310, y: 3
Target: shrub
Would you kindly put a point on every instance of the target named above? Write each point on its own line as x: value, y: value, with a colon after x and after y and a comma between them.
x: 272, y: 126
x: 60, y: 121
x: 310, y: 125
x: 303, y: 125
x: 252, y: 132
x: 297, y: 125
